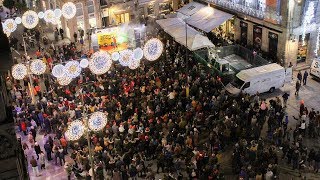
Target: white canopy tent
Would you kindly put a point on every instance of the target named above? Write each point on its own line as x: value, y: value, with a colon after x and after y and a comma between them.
x: 190, y: 9
x: 208, y: 18
x: 183, y: 34
x: 196, y: 42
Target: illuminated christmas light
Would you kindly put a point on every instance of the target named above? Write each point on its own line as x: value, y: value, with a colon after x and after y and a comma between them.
x: 97, y: 121
x: 49, y: 16
x: 65, y: 80
x: 153, y: 49
x: 307, y: 19
x: 72, y: 69
x: 18, y: 20
x: 137, y: 54
x: 134, y: 64
x: 57, y: 13
x: 100, y: 63
x: 84, y: 63
x: 58, y: 71
x: 38, y: 67
x: 115, y: 56
x: 75, y: 130
x: 30, y: 19
x: 125, y: 57
x: 317, y: 43
x: 19, y: 71
x: 69, y: 10
x: 10, y: 25
x: 41, y: 15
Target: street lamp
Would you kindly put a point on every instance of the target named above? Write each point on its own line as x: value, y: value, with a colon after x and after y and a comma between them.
x: 96, y: 122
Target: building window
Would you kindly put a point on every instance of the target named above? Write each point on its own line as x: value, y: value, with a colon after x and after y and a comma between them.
x: 122, y: 18
x: 90, y: 5
x: 79, y: 9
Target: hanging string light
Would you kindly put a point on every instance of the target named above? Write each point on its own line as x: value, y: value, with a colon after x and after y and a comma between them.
x: 317, y: 43
x: 153, y: 49
x: 38, y: 67
x: 307, y: 20
x: 97, y: 121
x: 30, y: 19
x: 69, y: 10
x: 19, y: 71
x: 72, y: 69
x: 100, y: 63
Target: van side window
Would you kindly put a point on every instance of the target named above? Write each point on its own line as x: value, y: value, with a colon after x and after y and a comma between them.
x: 246, y: 85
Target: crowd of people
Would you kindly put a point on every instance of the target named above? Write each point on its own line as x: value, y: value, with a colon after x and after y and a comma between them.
x: 171, y: 113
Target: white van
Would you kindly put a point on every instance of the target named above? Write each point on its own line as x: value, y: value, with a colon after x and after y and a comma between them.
x: 260, y: 79
x: 315, y: 68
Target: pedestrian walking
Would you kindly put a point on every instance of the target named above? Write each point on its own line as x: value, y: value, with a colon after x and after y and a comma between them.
x: 75, y: 36
x: 298, y: 85
x: 37, y: 149
x: 42, y: 160
x: 305, y: 76
x: 48, y: 149
x: 61, y: 156
x: 34, y: 166
x: 285, y: 97
x: 61, y: 33
x: 299, y: 76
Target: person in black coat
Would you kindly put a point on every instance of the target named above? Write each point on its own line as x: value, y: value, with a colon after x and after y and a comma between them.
x: 37, y: 149
x: 48, y: 149
x: 299, y: 76
x: 34, y: 133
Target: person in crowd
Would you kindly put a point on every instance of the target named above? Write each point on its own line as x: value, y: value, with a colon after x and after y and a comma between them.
x: 305, y: 77
x: 34, y: 165
x: 171, y: 113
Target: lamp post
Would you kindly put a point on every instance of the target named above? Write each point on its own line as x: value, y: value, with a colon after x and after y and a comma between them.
x: 96, y: 122
x: 87, y: 131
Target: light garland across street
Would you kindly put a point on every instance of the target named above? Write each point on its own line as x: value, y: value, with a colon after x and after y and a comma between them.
x: 30, y: 19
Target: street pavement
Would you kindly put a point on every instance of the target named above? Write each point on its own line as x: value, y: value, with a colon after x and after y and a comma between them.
x: 310, y: 95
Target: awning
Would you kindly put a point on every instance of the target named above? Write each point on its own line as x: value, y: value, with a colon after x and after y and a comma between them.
x: 190, y: 8
x: 184, y: 34
x: 143, y: 2
x: 208, y: 18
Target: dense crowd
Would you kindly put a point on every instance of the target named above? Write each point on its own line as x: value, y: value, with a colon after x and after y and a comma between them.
x: 171, y: 113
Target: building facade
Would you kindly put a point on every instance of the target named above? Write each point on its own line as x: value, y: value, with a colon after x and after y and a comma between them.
x: 274, y: 27
x: 88, y: 15
x: 122, y: 11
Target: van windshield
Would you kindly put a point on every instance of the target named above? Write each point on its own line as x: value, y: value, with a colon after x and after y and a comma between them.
x: 237, y: 83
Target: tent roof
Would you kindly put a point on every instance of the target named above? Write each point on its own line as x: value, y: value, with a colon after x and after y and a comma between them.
x: 208, y: 18
x: 183, y: 34
x: 190, y: 8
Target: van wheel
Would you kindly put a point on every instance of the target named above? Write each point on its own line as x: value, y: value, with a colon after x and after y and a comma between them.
x: 271, y: 90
